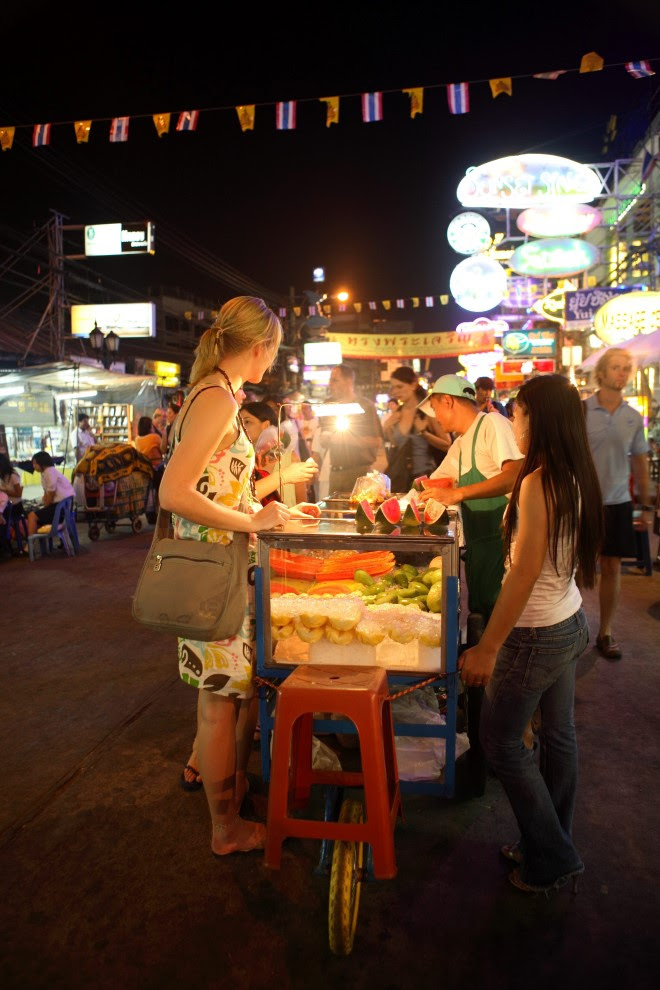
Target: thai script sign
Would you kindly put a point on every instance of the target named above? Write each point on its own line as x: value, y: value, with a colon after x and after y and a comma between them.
x: 581, y: 306
x: 533, y: 343
x: 628, y: 315
x: 554, y: 257
x: 432, y: 345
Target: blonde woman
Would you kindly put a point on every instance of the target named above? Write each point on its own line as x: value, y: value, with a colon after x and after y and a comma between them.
x: 207, y: 487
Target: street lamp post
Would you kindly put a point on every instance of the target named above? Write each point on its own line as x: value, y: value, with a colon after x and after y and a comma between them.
x: 104, y: 345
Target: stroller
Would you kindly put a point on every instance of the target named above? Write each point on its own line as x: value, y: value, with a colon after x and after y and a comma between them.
x: 114, y: 483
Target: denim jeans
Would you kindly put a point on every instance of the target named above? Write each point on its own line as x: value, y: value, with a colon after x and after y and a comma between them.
x: 536, y: 668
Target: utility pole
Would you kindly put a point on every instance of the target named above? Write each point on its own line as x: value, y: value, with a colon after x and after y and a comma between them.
x: 57, y: 302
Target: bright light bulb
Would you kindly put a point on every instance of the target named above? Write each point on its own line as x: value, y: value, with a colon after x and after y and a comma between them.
x: 341, y: 424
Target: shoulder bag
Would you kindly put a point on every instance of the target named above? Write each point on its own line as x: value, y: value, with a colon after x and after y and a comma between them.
x: 191, y: 588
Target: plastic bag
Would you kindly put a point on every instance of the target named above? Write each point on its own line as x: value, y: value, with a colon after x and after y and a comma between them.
x: 422, y: 757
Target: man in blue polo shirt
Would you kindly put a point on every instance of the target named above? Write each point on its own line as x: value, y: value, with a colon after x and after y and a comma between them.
x: 619, y: 449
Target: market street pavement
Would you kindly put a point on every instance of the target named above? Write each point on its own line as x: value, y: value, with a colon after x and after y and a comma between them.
x: 107, y: 875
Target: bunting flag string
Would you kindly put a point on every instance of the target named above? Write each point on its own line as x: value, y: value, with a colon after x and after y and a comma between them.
x: 458, y: 100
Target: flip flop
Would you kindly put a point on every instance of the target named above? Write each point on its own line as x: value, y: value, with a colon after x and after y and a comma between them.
x: 190, y: 785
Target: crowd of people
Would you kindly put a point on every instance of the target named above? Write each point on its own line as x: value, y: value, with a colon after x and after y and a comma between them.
x: 547, y: 504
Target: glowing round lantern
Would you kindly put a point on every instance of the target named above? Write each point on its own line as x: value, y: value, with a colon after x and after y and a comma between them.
x: 478, y: 284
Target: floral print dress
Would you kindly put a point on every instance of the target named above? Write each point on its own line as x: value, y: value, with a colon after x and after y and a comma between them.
x: 224, y: 667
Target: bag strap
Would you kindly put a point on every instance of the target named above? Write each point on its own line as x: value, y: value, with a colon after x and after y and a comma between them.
x: 178, y: 426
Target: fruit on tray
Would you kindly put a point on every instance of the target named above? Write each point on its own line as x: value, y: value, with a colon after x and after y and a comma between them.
x: 294, y: 565
x: 436, y: 518
x: 370, y: 632
x: 313, y: 619
x: 283, y: 631
x: 430, y: 483
x: 412, y: 516
x: 335, y: 588
x: 306, y: 634
x: 364, y: 517
x: 431, y: 576
x: 434, y: 597
x: 342, y: 637
x: 388, y: 515
x: 341, y: 567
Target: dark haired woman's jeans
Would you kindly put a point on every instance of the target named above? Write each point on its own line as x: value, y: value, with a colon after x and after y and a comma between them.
x: 536, y: 668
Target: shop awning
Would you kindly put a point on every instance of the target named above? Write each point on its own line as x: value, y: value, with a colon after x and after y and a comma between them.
x: 645, y: 349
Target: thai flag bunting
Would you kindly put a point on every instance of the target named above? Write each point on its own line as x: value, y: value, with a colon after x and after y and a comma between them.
x: 187, y: 120
x: 372, y: 305
x: 285, y: 116
x: 342, y: 307
x: 372, y: 107
x: 200, y: 314
x: 429, y: 300
x: 400, y: 304
x: 282, y: 312
x: 638, y: 70
x: 458, y: 97
x: 41, y: 135
x: 119, y: 129
x: 311, y: 311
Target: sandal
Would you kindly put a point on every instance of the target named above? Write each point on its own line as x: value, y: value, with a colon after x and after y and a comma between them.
x: 191, y: 785
x: 608, y: 648
x: 528, y: 888
x: 513, y: 853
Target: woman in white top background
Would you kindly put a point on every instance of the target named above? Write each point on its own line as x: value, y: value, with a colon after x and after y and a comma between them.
x: 527, y: 655
x: 56, y: 488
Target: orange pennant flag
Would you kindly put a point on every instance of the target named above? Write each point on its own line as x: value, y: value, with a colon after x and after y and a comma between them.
x: 162, y: 123
x: 327, y: 309
x: 444, y: 300
x: 415, y: 302
x: 357, y: 307
x: 332, y: 109
x: 246, y: 116
x: 498, y: 86
x: 7, y: 137
x: 591, y: 62
x: 416, y: 100
x: 297, y: 310
x: 387, y: 303
x: 82, y: 129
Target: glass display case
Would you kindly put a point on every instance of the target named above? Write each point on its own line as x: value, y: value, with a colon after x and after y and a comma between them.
x: 327, y: 594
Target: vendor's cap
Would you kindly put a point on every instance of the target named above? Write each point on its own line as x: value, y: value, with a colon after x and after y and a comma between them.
x: 448, y: 385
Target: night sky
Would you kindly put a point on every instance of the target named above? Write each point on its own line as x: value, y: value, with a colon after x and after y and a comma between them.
x: 370, y: 202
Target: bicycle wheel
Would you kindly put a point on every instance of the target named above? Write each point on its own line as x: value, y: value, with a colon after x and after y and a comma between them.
x: 346, y: 875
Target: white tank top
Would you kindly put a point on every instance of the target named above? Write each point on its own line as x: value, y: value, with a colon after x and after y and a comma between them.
x: 555, y: 596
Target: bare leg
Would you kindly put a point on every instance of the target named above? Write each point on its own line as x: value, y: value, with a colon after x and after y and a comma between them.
x: 193, y: 775
x: 246, y: 721
x: 216, y: 740
x: 32, y: 523
x: 608, y: 592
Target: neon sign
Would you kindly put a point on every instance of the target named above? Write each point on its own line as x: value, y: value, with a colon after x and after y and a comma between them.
x: 478, y: 284
x: 498, y: 327
x: 626, y: 316
x: 554, y: 257
x: 520, y: 181
x: 559, y: 220
x: 469, y: 233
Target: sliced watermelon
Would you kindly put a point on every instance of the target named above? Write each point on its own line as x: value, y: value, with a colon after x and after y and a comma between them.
x: 436, y: 517
x: 412, y: 517
x: 388, y: 515
x: 364, y: 517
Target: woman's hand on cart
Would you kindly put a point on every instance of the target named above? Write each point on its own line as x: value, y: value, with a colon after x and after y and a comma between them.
x: 308, y: 511
x: 272, y: 515
x: 476, y: 666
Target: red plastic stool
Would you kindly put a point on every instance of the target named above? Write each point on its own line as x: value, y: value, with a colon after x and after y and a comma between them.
x: 360, y: 694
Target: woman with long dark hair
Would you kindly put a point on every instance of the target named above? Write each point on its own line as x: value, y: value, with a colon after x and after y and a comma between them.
x: 527, y: 654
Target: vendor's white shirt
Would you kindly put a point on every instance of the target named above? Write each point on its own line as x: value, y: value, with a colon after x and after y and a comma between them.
x: 84, y: 441
x: 53, y: 480
x: 495, y: 445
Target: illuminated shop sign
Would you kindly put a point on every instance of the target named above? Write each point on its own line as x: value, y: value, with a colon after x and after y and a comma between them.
x: 626, y: 316
x: 551, y: 307
x: 119, y: 238
x: 554, y: 257
x: 126, y: 319
x: 521, y: 293
x: 469, y: 233
x: 478, y: 284
x: 520, y: 181
x: 497, y: 327
x: 533, y: 343
x: 559, y: 220
x: 581, y: 305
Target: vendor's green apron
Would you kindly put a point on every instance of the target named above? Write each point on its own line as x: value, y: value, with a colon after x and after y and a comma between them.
x: 484, y: 556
